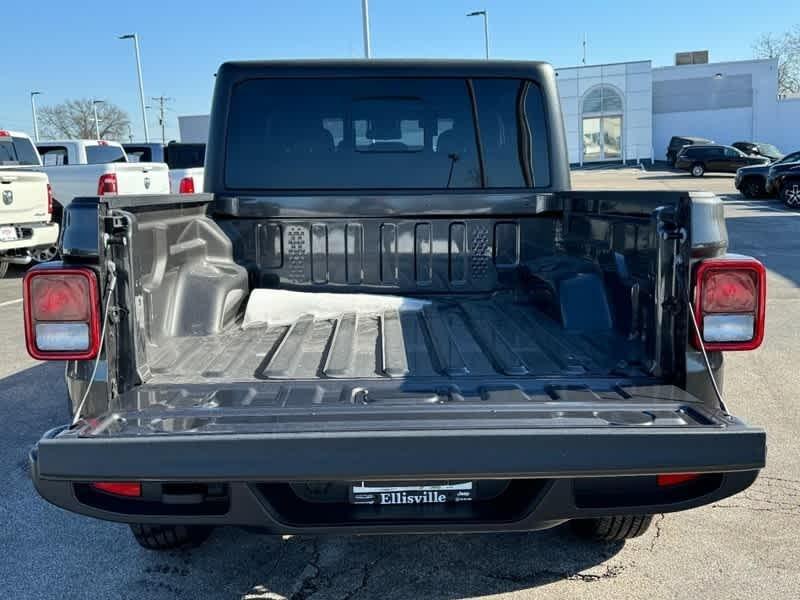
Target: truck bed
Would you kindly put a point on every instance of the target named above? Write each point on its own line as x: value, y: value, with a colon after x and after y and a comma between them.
x: 454, y: 336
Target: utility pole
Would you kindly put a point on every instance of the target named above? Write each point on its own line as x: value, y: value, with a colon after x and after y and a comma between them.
x: 365, y: 26
x: 35, y: 120
x: 162, y: 101
x: 96, y: 120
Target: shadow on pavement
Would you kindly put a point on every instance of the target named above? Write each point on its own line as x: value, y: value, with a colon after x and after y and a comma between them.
x: 678, y: 175
x: 410, y: 566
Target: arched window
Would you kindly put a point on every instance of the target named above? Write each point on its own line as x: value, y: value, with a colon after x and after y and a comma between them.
x: 603, y: 100
x: 601, y: 128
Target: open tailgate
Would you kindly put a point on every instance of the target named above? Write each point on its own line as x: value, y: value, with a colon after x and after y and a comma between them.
x: 334, y: 430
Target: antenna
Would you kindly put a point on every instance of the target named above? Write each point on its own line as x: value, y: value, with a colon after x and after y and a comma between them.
x: 584, y: 49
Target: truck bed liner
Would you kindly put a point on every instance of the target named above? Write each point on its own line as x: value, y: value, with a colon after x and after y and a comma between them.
x: 459, y: 337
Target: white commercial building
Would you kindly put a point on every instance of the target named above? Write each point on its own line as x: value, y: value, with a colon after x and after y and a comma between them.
x: 629, y: 111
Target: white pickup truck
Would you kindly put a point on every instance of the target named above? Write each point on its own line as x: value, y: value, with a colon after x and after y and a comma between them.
x: 185, y: 162
x: 97, y: 168
x: 26, y: 227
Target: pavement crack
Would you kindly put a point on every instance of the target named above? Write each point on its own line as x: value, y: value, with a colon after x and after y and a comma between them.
x: 311, y: 583
x: 659, y: 524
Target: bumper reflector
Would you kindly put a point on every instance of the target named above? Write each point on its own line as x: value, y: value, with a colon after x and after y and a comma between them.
x: 130, y: 489
x: 670, y: 479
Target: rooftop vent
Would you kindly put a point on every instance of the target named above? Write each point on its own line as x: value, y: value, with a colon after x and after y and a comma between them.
x: 698, y: 57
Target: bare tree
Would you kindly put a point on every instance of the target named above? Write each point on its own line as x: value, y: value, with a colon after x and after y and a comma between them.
x: 786, y: 48
x: 74, y: 119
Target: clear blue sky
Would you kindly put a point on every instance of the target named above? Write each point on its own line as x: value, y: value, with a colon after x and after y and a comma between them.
x: 69, y: 49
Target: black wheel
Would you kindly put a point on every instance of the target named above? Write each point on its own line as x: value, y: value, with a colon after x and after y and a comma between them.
x: 698, y: 170
x: 612, y: 529
x: 3, y: 268
x: 753, y: 188
x: 169, y: 537
x: 790, y: 193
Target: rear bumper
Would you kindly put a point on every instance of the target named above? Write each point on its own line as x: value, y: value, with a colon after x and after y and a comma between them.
x: 34, y: 235
x: 559, y: 473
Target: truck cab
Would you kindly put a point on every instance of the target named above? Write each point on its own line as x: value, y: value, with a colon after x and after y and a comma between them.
x: 390, y: 313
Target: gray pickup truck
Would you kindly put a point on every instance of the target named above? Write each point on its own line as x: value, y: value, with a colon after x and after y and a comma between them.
x: 390, y: 313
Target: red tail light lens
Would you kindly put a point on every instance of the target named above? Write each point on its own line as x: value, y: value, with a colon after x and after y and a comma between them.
x: 49, y: 201
x: 62, y: 313
x: 187, y: 185
x: 4, y: 133
x: 730, y: 303
x: 129, y: 489
x: 670, y: 479
x: 107, y: 184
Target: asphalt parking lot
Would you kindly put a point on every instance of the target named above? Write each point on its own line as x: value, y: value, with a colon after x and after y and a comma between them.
x: 747, y: 546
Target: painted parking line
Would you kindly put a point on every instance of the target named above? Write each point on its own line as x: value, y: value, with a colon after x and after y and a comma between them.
x: 10, y: 302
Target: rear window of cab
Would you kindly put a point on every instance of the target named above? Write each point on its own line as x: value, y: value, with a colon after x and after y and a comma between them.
x: 386, y: 133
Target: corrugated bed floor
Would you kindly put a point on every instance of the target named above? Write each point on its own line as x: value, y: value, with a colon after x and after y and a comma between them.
x: 451, y: 337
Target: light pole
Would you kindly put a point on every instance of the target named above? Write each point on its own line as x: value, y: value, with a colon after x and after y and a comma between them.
x: 485, y: 15
x: 33, y: 110
x: 135, y: 38
x: 96, y: 120
x: 365, y: 27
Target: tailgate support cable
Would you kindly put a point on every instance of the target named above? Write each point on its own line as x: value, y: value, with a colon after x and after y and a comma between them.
x: 112, y: 270
x: 709, y: 370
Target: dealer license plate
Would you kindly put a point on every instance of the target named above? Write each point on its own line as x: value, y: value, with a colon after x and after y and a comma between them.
x: 8, y: 234
x: 371, y: 493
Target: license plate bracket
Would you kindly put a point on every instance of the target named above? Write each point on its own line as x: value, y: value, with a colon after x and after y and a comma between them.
x: 412, y: 493
x: 8, y: 233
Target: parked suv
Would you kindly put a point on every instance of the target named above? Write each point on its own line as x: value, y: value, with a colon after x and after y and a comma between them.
x: 679, y: 142
x: 752, y: 181
x: 699, y: 160
x: 783, y: 179
x: 759, y: 149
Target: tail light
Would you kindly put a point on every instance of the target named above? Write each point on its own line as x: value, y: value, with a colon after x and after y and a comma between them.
x: 4, y: 133
x: 186, y: 186
x: 129, y: 489
x: 49, y: 202
x: 102, y: 143
x: 107, y: 184
x: 730, y: 303
x: 62, y: 313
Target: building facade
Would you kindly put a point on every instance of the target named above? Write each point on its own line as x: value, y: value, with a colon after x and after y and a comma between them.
x: 640, y: 108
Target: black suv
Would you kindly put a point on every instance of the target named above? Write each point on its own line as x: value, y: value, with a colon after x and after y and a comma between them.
x: 699, y: 160
x: 678, y: 142
x: 752, y: 181
x: 759, y: 149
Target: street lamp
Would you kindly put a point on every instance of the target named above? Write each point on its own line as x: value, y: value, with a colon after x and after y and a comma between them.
x: 365, y: 27
x: 96, y: 120
x: 33, y: 110
x: 485, y: 16
x: 135, y: 38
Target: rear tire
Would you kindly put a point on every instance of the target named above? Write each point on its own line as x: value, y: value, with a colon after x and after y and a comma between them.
x: 790, y: 194
x: 3, y: 268
x: 170, y: 537
x: 612, y: 529
x: 698, y: 170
